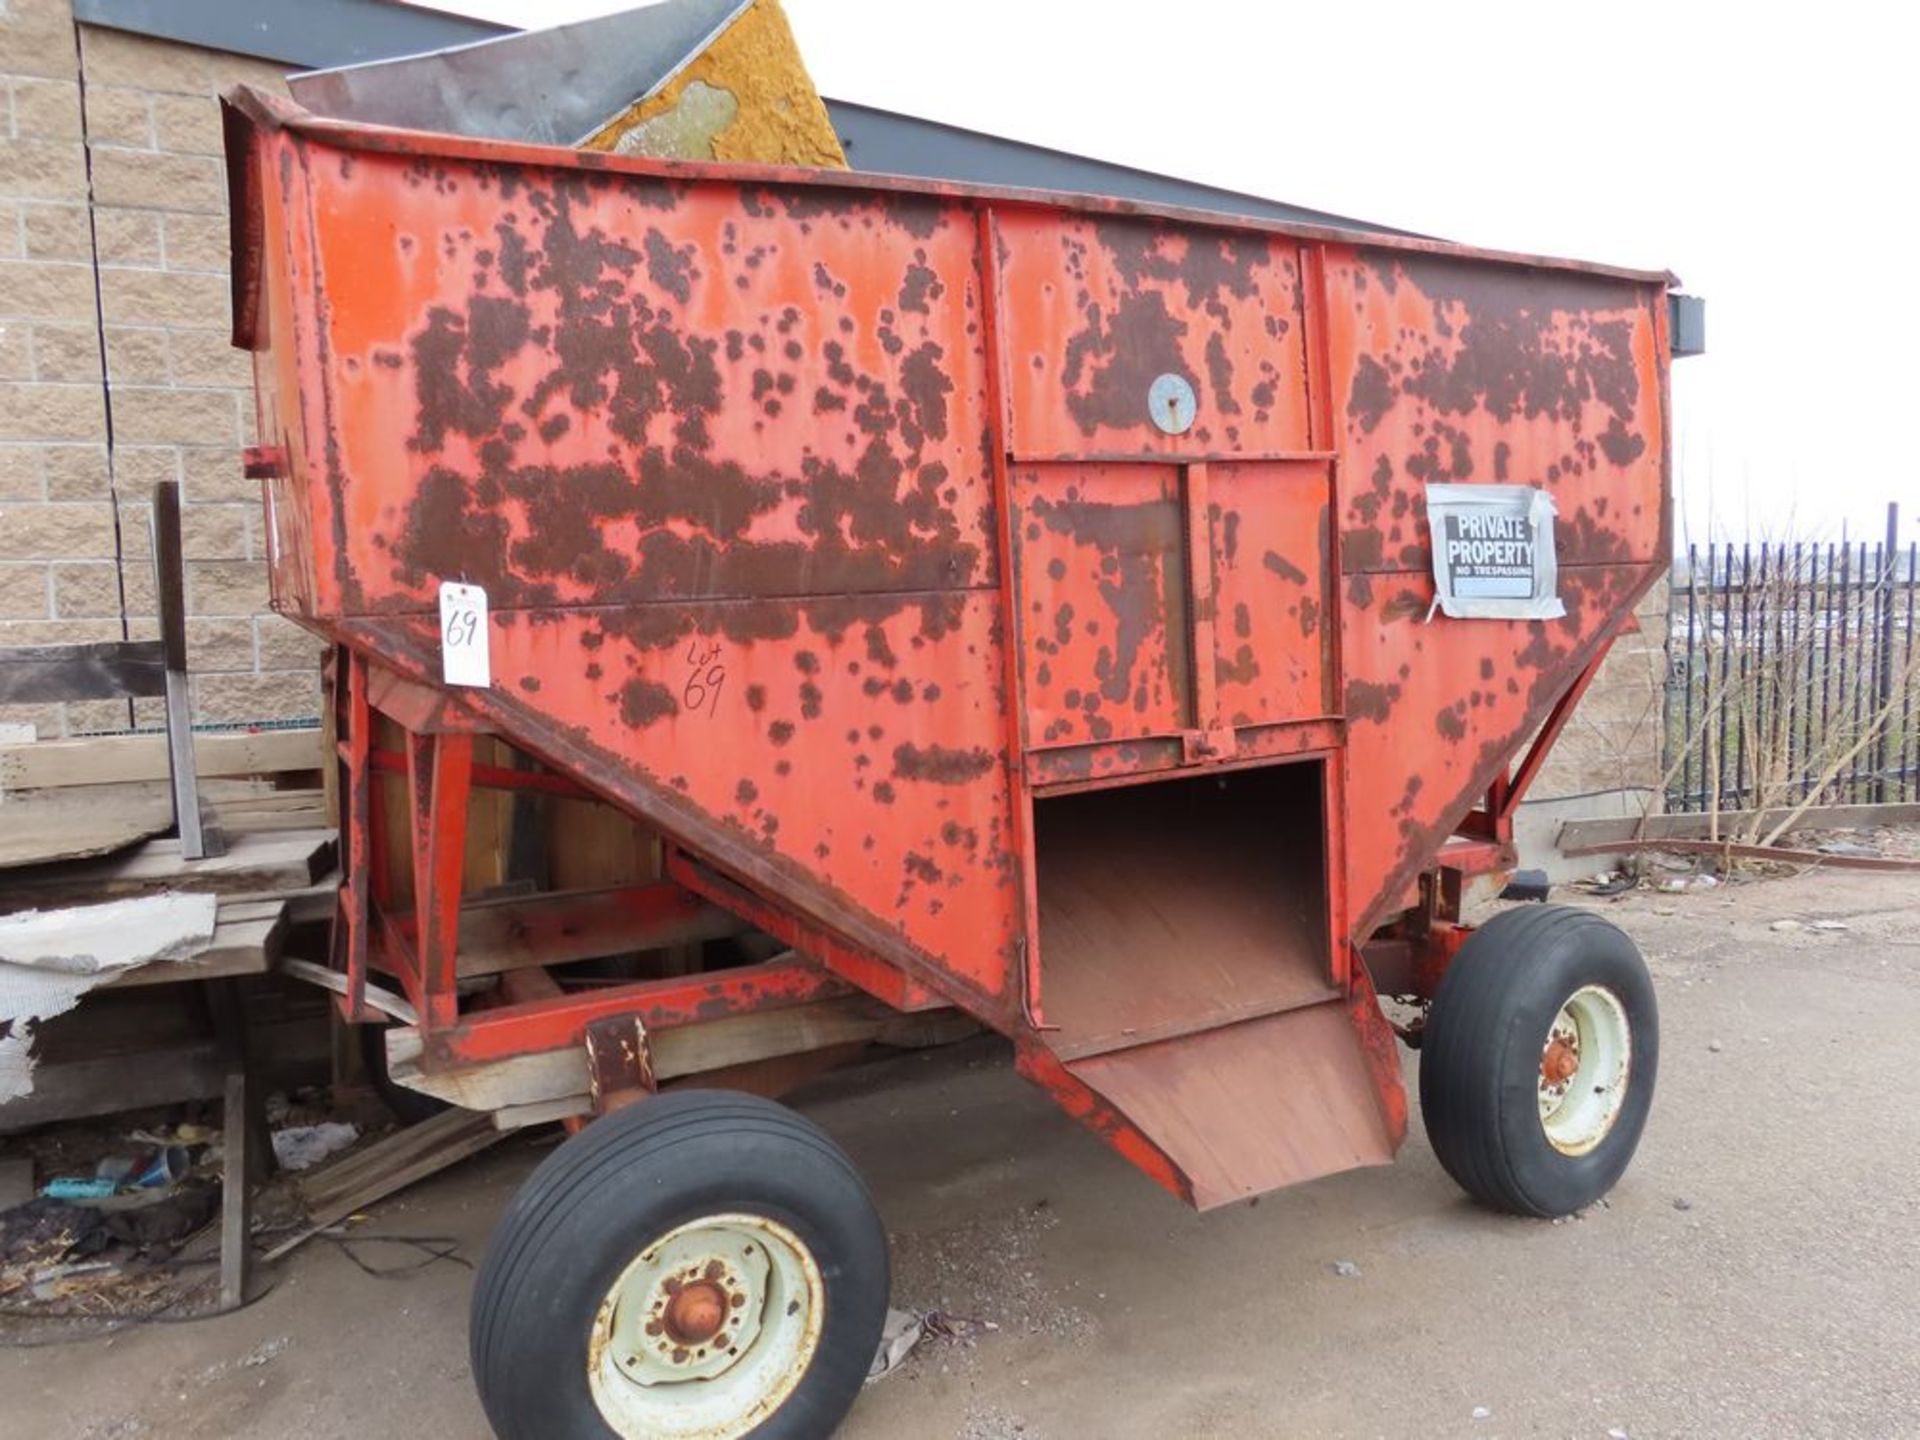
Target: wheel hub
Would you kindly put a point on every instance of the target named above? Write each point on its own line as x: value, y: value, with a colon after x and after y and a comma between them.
x: 696, y: 1313
x: 707, y: 1331
x: 1584, y: 1068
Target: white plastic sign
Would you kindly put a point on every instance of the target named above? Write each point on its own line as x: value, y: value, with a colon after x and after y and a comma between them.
x: 463, y: 635
x: 1493, y: 552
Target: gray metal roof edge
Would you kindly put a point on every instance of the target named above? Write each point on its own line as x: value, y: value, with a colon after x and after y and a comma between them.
x: 307, y: 34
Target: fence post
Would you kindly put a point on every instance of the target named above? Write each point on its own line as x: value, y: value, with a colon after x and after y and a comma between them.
x: 1884, y: 708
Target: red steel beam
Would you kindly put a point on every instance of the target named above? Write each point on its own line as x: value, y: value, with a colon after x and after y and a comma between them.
x: 496, y: 777
x: 511, y: 1030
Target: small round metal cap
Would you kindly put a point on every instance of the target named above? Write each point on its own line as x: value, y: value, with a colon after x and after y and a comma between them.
x: 1171, y: 403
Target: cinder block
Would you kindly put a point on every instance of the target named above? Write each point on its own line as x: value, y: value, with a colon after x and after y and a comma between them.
x: 46, y: 109
x: 78, y: 531
x: 32, y: 411
x: 86, y: 591
x: 66, y: 353
x: 220, y: 645
x: 234, y: 699
x: 137, y: 356
x: 136, y: 534
x: 12, y: 230
x: 226, y: 587
x: 150, y: 180
x: 283, y: 645
x: 172, y: 416
x: 119, y: 115
x: 36, y: 37
x: 43, y: 170
x: 188, y: 124
x: 213, y: 532
x: 20, y: 473
x: 127, y: 237
x: 96, y: 717
x: 77, y: 472
x: 16, y: 350
x: 26, y: 591
x: 138, y: 468
x: 46, y: 290
x: 46, y: 722
x: 164, y: 297
x: 58, y: 632
x: 207, y: 357
x: 215, y: 474
x: 115, y: 57
x: 196, y: 242
x: 56, y: 232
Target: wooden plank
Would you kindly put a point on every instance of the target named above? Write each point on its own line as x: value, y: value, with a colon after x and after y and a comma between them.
x: 105, y: 1085
x: 306, y: 905
x: 551, y: 1075
x: 391, y: 1165
x: 116, y: 759
x: 499, y: 935
x: 378, y: 996
x: 236, y: 1209
x: 100, y: 670
x: 542, y: 1112
x: 247, y: 940
x: 41, y: 835
x: 290, y: 859
x: 1577, y: 834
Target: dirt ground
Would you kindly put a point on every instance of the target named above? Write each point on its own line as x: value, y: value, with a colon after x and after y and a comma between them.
x: 1756, y: 1273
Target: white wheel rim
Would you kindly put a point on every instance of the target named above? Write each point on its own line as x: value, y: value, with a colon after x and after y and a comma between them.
x: 707, y: 1331
x: 1584, y: 1067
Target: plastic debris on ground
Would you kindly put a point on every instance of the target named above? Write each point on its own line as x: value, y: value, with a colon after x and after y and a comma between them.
x: 298, y: 1147
x: 905, y: 1329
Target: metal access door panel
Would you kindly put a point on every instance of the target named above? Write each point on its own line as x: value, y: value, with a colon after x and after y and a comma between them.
x: 1103, y: 602
x: 1097, y: 309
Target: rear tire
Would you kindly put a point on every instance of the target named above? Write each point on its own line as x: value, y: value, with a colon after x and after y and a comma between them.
x: 657, y: 1236
x: 1538, y: 1061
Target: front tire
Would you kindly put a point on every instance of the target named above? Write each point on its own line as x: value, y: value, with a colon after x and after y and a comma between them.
x: 700, y: 1263
x: 1538, y: 1061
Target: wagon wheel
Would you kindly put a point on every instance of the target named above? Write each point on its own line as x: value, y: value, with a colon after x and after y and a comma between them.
x: 1538, y: 1062
x: 700, y: 1264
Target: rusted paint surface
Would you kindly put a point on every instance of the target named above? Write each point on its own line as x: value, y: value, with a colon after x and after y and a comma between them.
x: 826, y: 529
x: 484, y: 1035
x: 1104, y: 594
x: 1273, y: 600
x: 1097, y: 309
x: 1447, y: 370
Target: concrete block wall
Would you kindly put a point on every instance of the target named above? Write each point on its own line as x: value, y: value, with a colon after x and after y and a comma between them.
x: 115, y: 371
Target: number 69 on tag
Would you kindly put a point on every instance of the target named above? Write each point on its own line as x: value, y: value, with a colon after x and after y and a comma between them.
x: 463, y: 635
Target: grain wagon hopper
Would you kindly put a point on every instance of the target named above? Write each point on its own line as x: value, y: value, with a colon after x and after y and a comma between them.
x: 1128, y: 628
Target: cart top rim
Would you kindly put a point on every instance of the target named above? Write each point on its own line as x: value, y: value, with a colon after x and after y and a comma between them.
x: 266, y: 111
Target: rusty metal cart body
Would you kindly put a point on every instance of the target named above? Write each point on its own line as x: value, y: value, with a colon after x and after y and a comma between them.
x: 1011, y: 602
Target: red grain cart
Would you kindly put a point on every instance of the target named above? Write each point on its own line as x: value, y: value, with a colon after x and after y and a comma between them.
x: 1013, y: 604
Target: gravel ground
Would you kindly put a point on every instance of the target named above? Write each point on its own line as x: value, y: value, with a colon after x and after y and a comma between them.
x: 1756, y: 1273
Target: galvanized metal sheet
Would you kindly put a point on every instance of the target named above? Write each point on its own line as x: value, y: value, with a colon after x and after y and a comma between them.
x: 550, y: 87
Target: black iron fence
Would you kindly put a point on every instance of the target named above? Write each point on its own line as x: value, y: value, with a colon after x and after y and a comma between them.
x: 1794, y: 675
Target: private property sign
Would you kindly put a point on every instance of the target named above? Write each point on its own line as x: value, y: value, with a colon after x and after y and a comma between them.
x: 1493, y: 552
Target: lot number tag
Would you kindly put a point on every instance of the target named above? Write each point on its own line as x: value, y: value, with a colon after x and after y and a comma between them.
x: 463, y: 635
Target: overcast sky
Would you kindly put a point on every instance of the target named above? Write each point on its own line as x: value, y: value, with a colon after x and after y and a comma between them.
x: 1765, y: 154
